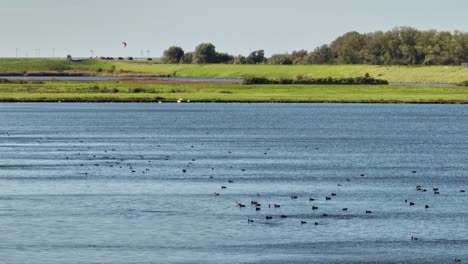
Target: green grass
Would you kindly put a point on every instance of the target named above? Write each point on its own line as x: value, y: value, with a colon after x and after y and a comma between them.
x: 131, y: 92
x: 429, y: 74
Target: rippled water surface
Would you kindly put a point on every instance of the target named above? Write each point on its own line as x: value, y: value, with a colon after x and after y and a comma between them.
x: 135, y: 183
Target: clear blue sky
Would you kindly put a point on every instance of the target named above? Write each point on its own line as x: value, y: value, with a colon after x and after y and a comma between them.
x: 234, y: 26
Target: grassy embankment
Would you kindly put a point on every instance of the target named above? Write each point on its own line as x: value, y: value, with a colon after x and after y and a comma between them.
x: 132, y: 91
x: 420, y: 74
x: 140, y: 91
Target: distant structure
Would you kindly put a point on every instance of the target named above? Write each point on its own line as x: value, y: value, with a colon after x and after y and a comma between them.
x: 465, y: 65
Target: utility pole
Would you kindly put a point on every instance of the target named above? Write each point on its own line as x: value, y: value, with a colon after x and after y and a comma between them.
x: 92, y: 53
x: 141, y: 53
x: 16, y: 52
x: 148, y: 52
x: 53, y: 52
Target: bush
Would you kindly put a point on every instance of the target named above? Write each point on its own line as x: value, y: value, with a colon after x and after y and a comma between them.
x: 300, y: 79
x: 257, y: 80
x: 137, y: 90
x: 464, y: 83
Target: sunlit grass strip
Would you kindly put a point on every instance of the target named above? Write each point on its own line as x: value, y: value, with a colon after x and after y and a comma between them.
x: 130, y: 92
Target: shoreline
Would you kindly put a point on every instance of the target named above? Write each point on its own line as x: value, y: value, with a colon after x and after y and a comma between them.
x: 2, y: 101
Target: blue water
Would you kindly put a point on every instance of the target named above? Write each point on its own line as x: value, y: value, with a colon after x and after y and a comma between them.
x: 104, y: 183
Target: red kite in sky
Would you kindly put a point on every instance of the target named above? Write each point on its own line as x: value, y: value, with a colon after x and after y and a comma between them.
x: 124, y: 44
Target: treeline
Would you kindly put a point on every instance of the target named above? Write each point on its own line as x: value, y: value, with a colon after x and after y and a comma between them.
x: 400, y: 46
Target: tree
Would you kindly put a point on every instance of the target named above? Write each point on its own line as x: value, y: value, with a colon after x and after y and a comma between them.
x: 348, y: 48
x: 256, y: 57
x: 281, y: 59
x: 321, y: 55
x: 173, y: 55
x: 187, y: 58
x: 224, y: 58
x: 299, y: 56
x: 204, y: 53
x: 240, y: 60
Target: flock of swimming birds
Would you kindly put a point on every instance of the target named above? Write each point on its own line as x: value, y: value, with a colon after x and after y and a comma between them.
x: 112, y: 161
x: 258, y: 206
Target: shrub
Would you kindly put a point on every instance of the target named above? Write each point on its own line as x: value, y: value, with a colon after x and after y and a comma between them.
x: 300, y: 79
x: 137, y: 90
x: 257, y: 80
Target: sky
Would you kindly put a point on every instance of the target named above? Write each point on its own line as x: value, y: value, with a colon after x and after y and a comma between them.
x: 49, y: 28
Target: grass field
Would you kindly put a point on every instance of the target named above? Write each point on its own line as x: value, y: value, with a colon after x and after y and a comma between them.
x: 420, y: 74
x: 128, y: 91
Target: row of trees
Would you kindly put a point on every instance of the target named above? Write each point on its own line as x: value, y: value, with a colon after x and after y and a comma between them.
x: 403, y: 46
x: 206, y: 53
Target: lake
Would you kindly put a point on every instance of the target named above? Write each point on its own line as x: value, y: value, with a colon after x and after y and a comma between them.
x: 136, y: 183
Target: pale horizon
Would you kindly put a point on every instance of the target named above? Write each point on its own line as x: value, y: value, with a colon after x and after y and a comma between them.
x: 53, y: 28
